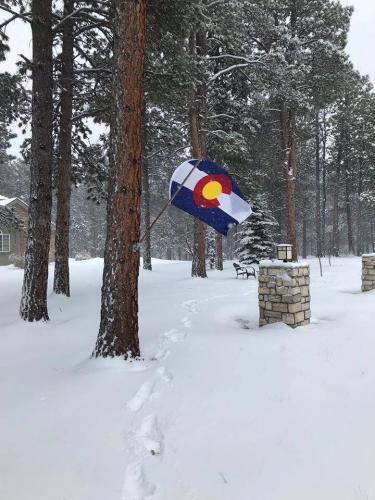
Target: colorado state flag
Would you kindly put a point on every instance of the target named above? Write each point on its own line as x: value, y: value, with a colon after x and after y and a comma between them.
x: 210, y: 194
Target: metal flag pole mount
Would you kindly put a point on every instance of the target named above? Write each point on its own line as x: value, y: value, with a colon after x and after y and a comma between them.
x: 169, y: 202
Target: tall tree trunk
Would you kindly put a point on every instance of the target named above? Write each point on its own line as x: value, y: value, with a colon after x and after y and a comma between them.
x: 35, y: 282
x: 318, y: 207
x: 61, y: 283
x: 197, y: 46
x: 336, y: 197
x: 118, y: 333
x: 287, y: 121
x: 219, y: 261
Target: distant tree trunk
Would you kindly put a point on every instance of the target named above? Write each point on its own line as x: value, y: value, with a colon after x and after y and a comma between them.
x: 198, y: 269
x: 94, y: 229
x: 324, y: 182
x: 318, y: 207
x: 219, y: 262
x: 287, y: 121
x: 304, y: 234
x: 61, y: 278
x: 348, y: 207
x: 360, y: 235
x: 118, y: 333
x: 34, y: 292
x: 336, y: 197
x: 372, y: 231
x: 198, y: 141
x: 147, y: 264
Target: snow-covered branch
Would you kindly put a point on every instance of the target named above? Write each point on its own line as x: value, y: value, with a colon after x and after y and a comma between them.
x: 228, y: 70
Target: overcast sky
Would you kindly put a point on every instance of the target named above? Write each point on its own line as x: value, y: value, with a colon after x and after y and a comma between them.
x: 362, y: 36
x: 361, y: 45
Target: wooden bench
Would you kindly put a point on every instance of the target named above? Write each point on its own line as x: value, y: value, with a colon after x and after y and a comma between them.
x: 244, y: 271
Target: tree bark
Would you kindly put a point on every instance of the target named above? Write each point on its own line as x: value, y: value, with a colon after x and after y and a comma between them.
x: 61, y: 283
x: 198, y: 269
x: 219, y: 262
x: 34, y: 292
x: 118, y: 333
x: 198, y: 143
x: 287, y: 121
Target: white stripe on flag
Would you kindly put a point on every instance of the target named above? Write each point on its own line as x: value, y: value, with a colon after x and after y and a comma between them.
x: 232, y: 204
x: 183, y: 171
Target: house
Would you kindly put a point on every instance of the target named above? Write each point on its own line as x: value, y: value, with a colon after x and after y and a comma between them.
x: 13, y: 227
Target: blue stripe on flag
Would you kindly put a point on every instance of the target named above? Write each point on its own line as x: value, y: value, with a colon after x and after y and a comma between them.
x: 214, y: 217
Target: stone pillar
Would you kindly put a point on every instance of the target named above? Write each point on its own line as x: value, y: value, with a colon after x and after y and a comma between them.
x: 284, y: 293
x: 368, y: 272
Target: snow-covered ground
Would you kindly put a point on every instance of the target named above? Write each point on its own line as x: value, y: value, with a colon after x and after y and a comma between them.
x: 218, y: 410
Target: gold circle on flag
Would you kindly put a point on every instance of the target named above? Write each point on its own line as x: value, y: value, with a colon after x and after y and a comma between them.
x: 212, y: 190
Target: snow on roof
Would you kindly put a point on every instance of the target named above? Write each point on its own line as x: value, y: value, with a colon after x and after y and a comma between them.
x: 6, y: 201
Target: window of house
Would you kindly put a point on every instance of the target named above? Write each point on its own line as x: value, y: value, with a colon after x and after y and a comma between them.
x: 4, y: 242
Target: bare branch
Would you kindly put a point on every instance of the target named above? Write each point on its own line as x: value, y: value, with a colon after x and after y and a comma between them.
x: 93, y: 70
x: 81, y: 10
x: 16, y: 14
x: 221, y: 115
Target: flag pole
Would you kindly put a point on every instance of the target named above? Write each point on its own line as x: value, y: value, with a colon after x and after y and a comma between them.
x: 148, y: 230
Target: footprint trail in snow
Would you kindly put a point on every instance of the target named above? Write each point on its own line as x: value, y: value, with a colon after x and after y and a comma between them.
x: 136, y: 486
x: 143, y: 394
x: 150, y: 436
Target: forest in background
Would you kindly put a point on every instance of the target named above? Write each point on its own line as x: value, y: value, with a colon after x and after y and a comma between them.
x: 263, y: 87
x: 247, y: 74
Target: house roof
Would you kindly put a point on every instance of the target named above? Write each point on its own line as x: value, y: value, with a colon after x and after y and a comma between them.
x: 8, y: 217
x: 4, y: 201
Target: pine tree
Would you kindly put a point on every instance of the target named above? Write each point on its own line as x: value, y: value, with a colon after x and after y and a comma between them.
x: 118, y: 333
x: 34, y: 292
x: 256, y: 235
x: 61, y: 284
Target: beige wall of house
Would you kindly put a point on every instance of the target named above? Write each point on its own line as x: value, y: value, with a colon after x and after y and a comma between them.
x: 18, y: 236
x: 16, y: 245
